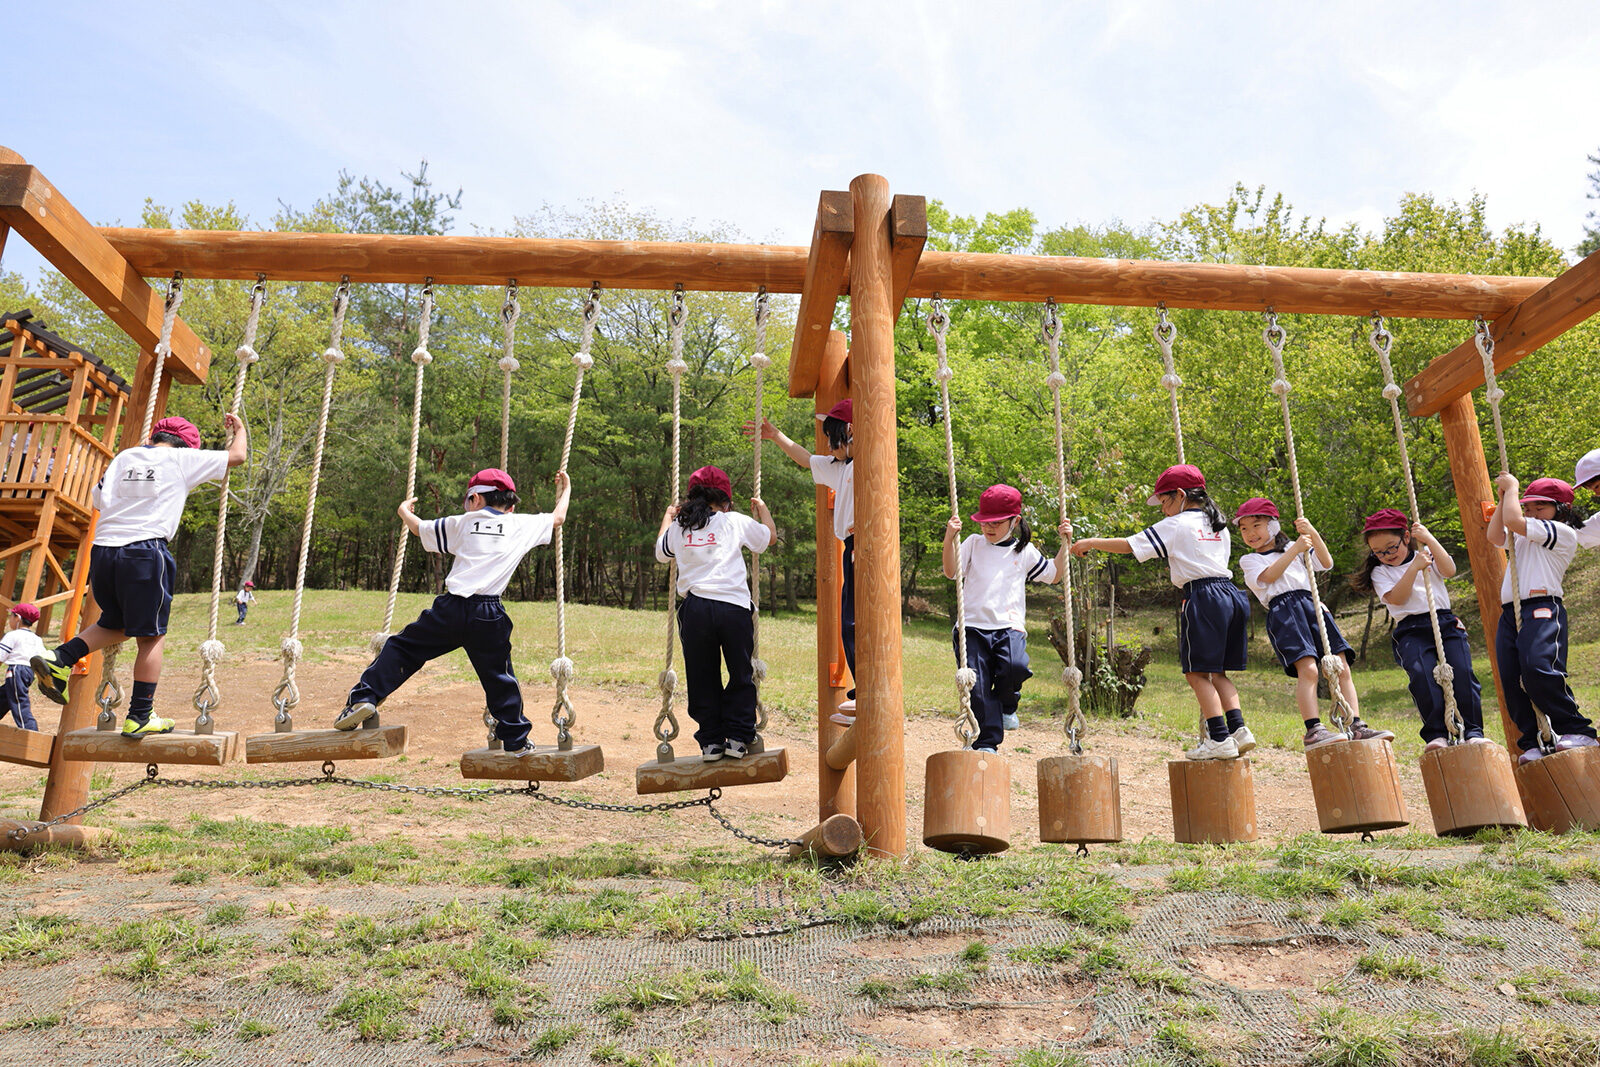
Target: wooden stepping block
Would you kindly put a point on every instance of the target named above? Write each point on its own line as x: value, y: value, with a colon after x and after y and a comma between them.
x: 1080, y: 800
x: 1356, y: 786
x: 967, y: 802
x: 1471, y: 787
x: 182, y: 747
x: 27, y: 747
x: 693, y: 772
x: 1213, y: 800
x: 1561, y: 791
x: 835, y: 837
x: 319, y: 746
x: 542, y: 763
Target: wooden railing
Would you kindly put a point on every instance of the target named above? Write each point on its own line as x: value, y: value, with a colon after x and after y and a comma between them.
x: 41, y: 453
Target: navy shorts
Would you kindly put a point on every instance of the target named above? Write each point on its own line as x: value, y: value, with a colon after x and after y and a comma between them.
x: 1212, y: 625
x: 1292, y: 629
x: 133, y: 586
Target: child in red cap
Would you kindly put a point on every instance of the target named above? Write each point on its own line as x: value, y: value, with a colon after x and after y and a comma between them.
x: 141, y: 500
x: 1533, y: 656
x: 995, y: 565
x: 715, y: 622
x: 242, y: 600
x: 488, y: 540
x: 17, y: 649
x: 1586, y: 475
x: 1399, y: 552
x: 1193, y: 539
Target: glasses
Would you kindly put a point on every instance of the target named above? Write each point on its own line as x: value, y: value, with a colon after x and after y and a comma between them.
x: 1390, y: 550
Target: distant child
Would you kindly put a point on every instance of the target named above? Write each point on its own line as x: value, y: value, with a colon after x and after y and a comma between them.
x: 996, y: 565
x: 1194, y: 540
x: 131, y: 570
x: 1533, y: 657
x: 17, y: 649
x: 488, y: 540
x: 1587, y: 476
x: 243, y: 599
x: 836, y: 471
x: 1275, y: 571
x: 1400, y: 551
x: 715, y: 622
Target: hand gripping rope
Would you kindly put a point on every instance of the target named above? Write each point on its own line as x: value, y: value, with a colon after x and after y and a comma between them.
x: 758, y: 666
x: 1075, y: 723
x: 287, y: 696
x: 561, y: 668
x: 1382, y: 341
x: 1332, y: 666
x: 1166, y: 333
x: 1492, y: 391
x: 666, y: 725
x: 208, y: 697
x: 966, y: 678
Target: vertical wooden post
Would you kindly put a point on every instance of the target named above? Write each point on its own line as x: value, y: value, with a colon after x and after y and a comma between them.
x: 836, y: 790
x: 1469, y: 470
x: 881, y: 781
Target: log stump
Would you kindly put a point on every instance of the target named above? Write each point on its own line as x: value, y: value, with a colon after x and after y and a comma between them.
x: 967, y: 803
x: 1356, y: 786
x: 1471, y: 787
x: 1213, y: 801
x: 835, y: 837
x: 1080, y: 800
x: 1561, y: 791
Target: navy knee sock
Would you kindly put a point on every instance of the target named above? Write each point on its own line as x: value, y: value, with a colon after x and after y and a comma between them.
x: 1234, y: 718
x: 143, y: 701
x: 71, y: 652
x: 1217, y: 728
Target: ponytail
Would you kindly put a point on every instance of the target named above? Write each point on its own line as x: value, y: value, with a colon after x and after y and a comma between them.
x: 698, y: 507
x: 1361, y: 580
x: 1571, y: 515
x: 1209, y: 506
x: 1021, y: 534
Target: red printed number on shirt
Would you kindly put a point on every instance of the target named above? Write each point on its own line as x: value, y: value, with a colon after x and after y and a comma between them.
x: 699, y: 539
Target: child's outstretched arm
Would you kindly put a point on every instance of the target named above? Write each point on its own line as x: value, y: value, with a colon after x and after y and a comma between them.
x: 1441, y: 559
x: 1065, y: 532
x: 952, y: 550
x: 1508, y: 513
x: 558, y: 514
x: 239, y: 445
x: 1087, y: 545
x: 409, y: 517
x: 769, y: 432
x: 765, y: 518
x: 1303, y: 527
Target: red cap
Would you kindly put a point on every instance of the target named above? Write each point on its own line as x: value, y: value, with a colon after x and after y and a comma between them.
x: 712, y: 478
x: 998, y: 503
x: 840, y: 411
x: 27, y: 613
x: 490, y: 480
x: 1547, y: 491
x: 249, y: 585
x: 1387, y: 519
x: 179, y: 427
x: 1183, y: 476
x: 1257, y: 505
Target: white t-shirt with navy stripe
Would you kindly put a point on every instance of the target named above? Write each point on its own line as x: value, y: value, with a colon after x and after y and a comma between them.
x: 1386, y: 576
x: 19, y: 646
x: 1293, y: 578
x: 487, y: 545
x: 142, y: 494
x: 1543, y: 557
x: 710, y: 560
x: 1192, y: 549
x: 840, y: 476
x: 994, y: 580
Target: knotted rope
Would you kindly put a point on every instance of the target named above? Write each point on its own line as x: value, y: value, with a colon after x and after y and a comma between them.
x: 510, y: 311
x: 562, y: 668
x: 966, y: 678
x: 1075, y: 722
x: 760, y: 361
x: 287, y: 696
x: 666, y: 725
x: 1166, y: 333
x: 169, y: 318
x: 109, y: 695
x: 1382, y: 341
x: 1333, y: 666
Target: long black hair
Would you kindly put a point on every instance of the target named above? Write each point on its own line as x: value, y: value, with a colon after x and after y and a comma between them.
x: 1571, y: 514
x: 837, y: 431
x: 1021, y: 534
x: 698, y: 507
x: 1209, y: 506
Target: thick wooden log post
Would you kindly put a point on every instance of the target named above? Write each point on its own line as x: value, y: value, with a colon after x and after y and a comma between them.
x: 881, y: 781
x: 836, y: 789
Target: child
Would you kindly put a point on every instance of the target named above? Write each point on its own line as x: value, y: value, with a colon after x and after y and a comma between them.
x: 1533, y: 657
x: 1587, y: 476
x: 17, y: 649
x: 836, y: 471
x: 714, y: 618
x: 996, y: 564
x: 1193, y: 539
x: 488, y: 540
x: 1397, y: 556
x: 243, y: 599
x: 141, y: 501
x: 1276, y: 573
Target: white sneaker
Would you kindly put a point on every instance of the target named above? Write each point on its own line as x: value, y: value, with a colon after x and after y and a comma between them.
x: 842, y: 719
x: 848, y: 707
x: 1009, y: 721
x: 1209, y: 749
x: 1243, y: 739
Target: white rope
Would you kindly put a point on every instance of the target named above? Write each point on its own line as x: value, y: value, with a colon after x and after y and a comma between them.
x: 666, y: 725
x: 1381, y: 341
x: 109, y: 695
x: 510, y: 311
x: 760, y: 361
x: 169, y: 318
x: 421, y: 357
x: 1166, y: 334
x: 966, y: 678
x: 1075, y: 723
x: 562, y: 668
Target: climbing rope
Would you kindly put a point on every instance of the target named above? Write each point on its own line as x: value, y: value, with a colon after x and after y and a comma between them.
x: 1382, y: 341
x: 1166, y: 333
x: 1333, y: 666
x: 760, y: 361
x: 1075, y: 722
x: 966, y: 678
x: 561, y: 668
x: 510, y: 311
x: 208, y: 697
x: 287, y: 695
x: 169, y: 318
x: 421, y: 357
x: 666, y: 725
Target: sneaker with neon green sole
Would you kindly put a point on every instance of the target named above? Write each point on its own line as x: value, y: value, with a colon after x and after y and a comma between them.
x: 50, y: 676
x: 155, y: 724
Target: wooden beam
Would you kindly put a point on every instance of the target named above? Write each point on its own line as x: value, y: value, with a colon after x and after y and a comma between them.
x: 44, y: 218
x: 908, y: 233
x: 826, y: 263
x: 1537, y: 320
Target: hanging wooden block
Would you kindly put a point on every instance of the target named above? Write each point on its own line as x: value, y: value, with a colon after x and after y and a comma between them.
x: 693, y: 772
x: 1213, y: 801
x: 1080, y: 800
x: 835, y: 837
x: 320, y: 746
x: 542, y: 763
x: 967, y: 802
x: 1471, y: 787
x: 182, y: 747
x: 30, y: 748
x: 1356, y: 786
x: 1561, y: 791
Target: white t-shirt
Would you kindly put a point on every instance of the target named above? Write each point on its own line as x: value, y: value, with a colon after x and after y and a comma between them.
x: 709, y: 562
x: 1191, y: 548
x: 1253, y: 563
x: 144, y: 490
x: 19, y: 646
x: 840, y: 476
x: 1386, y: 576
x: 487, y: 545
x: 1589, y: 536
x: 995, y: 579
x: 1542, y: 559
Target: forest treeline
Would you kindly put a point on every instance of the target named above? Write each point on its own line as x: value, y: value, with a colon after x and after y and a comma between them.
x: 1118, y: 428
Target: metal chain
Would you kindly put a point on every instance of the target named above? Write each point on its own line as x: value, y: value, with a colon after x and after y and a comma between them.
x: 28, y: 831
x: 754, y: 839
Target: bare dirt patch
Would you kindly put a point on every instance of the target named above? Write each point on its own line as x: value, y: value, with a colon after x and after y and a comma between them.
x: 1307, y: 965
x: 995, y: 1017
x: 913, y: 948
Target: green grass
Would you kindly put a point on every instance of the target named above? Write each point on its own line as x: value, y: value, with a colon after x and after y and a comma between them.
x: 685, y: 986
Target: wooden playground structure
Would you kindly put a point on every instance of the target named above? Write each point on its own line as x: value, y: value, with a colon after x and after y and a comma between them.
x: 868, y: 245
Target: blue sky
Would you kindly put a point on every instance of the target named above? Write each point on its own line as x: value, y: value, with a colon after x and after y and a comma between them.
x: 740, y: 112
